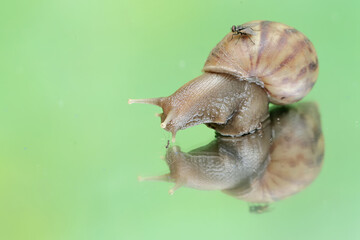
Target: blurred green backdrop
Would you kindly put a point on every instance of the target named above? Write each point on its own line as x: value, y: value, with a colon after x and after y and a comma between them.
x: 72, y: 148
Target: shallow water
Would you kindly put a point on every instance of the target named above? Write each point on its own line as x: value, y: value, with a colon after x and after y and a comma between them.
x: 72, y: 148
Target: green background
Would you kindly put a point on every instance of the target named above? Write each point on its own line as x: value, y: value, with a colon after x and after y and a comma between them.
x: 71, y: 147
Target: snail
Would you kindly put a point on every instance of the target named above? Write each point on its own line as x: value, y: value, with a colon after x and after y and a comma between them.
x: 273, y: 163
x: 240, y: 79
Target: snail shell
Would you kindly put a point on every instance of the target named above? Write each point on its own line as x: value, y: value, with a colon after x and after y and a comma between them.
x: 281, y: 59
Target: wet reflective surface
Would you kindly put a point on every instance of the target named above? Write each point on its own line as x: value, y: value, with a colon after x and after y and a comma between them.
x: 273, y: 163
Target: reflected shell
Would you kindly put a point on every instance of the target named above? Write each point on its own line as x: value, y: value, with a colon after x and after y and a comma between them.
x: 296, y: 155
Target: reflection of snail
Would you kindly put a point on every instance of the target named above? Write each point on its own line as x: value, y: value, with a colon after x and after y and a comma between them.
x: 239, y: 80
x: 275, y: 162
x: 216, y: 166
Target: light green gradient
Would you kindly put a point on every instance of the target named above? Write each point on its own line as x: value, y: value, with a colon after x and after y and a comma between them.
x: 71, y: 148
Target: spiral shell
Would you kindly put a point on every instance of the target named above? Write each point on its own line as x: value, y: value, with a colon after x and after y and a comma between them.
x: 278, y: 57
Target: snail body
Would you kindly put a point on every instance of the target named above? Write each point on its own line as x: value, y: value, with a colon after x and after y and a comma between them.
x: 240, y: 78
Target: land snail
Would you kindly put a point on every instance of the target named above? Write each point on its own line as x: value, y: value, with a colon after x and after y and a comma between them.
x: 273, y: 163
x: 241, y: 77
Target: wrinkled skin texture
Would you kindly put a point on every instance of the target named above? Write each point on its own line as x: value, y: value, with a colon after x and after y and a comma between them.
x: 237, y: 109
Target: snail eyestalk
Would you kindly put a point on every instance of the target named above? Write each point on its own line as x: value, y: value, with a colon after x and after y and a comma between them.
x: 152, y: 101
x: 168, y: 118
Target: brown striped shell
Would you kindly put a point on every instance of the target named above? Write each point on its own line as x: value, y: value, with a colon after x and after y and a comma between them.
x: 277, y: 57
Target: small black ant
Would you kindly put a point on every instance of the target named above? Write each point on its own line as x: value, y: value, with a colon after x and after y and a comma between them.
x: 243, y: 31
